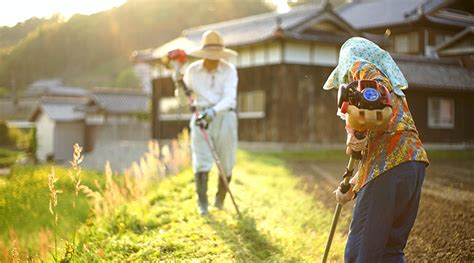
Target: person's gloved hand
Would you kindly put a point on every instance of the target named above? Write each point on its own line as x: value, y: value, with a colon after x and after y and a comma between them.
x: 179, y: 94
x: 177, y: 76
x: 343, y: 198
x: 205, y: 118
x: 355, y: 144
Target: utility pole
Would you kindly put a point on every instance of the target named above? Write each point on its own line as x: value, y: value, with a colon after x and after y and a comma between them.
x: 14, y: 92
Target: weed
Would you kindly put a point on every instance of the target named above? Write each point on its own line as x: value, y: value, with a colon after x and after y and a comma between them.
x: 75, y: 174
x: 279, y: 221
x: 53, y: 203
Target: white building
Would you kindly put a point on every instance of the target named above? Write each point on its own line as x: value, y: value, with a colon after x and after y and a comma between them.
x: 59, y: 126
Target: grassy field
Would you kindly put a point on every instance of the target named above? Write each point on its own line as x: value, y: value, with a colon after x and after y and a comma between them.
x: 8, y: 157
x: 279, y: 221
x: 24, y: 206
x: 286, y: 212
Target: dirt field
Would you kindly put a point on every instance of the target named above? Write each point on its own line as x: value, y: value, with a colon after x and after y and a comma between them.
x: 444, y: 229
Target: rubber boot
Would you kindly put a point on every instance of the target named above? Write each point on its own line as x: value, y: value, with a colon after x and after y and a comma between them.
x: 221, y: 193
x: 201, y: 190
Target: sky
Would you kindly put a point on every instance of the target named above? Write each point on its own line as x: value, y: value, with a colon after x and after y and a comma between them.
x: 281, y: 5
x: 14, y: 11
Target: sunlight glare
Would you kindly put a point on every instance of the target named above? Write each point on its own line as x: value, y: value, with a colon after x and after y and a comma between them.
x: 14, y: 11
x: 281, y: 5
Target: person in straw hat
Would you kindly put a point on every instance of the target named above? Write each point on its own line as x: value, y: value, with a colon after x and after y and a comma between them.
x: 214, y: 81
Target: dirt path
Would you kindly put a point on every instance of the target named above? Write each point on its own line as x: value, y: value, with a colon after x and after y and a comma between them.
x: 444, y: 229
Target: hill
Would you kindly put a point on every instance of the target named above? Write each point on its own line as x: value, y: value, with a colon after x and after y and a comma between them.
x: 9, y: 36
x: 93, y: 50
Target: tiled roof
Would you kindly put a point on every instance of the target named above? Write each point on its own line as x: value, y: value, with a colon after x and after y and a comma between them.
x: 377, y: 13
x: 381, y: 13
x: 54, y: 87
x: 256, y: 28
x: 60, y: 109
x: 359, y: 15
x: 431, y: 74
x: 121, y: 101
x: 250, y: 30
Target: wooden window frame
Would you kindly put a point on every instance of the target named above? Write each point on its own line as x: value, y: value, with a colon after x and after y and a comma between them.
x: 432, y: 123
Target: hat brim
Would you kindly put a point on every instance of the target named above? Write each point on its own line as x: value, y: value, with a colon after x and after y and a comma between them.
x: 213, y: 54
x: 331, y: 80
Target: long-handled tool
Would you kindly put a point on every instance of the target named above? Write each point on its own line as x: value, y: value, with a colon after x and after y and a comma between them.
x: 177, y: 58
x: 367, y: 106
x: 344, y: 187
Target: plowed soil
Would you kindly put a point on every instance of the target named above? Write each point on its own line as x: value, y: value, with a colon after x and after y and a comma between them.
x: 444, y: 228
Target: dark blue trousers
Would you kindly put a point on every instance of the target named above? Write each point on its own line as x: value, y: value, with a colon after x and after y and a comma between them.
x: 384, y: 213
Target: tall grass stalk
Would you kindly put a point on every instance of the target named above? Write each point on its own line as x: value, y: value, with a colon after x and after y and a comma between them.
x: 75, y: 175
x: 15, y: 252
x: 44, y: 237
x: 53, y: 202
x: 156, y: 163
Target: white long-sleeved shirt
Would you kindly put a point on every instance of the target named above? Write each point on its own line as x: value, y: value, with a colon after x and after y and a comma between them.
x: 217, y: 89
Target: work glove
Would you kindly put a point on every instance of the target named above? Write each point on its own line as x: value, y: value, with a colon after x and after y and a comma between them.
x: 180, y: 95
x: 176, y: 76
x: 205, y: 118
x: 354, y: 144
x: 343, y: 198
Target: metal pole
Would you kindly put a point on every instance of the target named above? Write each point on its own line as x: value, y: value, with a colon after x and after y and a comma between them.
x: 219, y: 167
x: 337, y: 212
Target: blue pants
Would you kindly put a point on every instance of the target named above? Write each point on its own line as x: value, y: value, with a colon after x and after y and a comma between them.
x: 384, y: 213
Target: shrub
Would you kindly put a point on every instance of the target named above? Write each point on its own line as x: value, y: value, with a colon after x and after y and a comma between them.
x: 5, y: 139
x: 19, y: 138
x: 33, y: 143
x: 16, y: 138
x: 8, y: 157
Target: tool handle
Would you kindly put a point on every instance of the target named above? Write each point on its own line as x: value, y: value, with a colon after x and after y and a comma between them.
x: 335, y: 219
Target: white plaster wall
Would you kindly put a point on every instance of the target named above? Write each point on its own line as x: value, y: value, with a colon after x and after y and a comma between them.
x: 44, y: 137
x: 143, y: 72
x: 120, y: 144
x: 301, y: 53
x: 245, y: 58
x: 274, y: 53
x: 233, y: 59
x: 66, y: 134
x: 297, y: 53
x: 112, y: 133
x: 325, y: 55
x: 259, y: 55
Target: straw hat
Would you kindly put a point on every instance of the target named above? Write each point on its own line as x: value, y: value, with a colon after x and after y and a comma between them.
x: 212, y: 47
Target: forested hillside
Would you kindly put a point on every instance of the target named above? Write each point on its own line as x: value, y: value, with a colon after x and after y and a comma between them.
x: 9, y: 36
x: 93, y: 50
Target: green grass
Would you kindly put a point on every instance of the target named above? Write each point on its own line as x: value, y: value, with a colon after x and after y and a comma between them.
x: 450, y: 154
x: 320, y: 155
x: 24, y: 203
x: 279, y: 222
x: 339, y: 154
x: 9, y: 157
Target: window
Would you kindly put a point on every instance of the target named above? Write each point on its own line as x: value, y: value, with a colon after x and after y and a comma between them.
x: 406, y: 43
x: 441, y: 113
x: 440, y: 38
x: 251, y: 104
x: 172, y: 110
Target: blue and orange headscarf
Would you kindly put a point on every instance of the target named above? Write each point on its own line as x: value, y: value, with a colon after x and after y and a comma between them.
x: 361, y: 49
